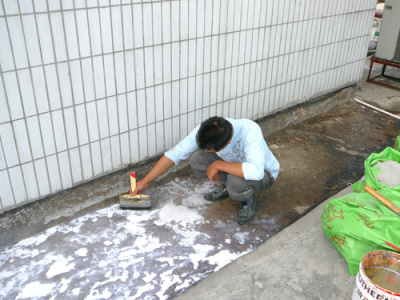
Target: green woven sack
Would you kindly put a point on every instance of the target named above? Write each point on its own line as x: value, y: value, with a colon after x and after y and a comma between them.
x: 357, y: 222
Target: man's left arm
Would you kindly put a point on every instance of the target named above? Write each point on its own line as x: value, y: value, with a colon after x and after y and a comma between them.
x: 234, y: 168
x: 253, y: 166
x: 254, y: 152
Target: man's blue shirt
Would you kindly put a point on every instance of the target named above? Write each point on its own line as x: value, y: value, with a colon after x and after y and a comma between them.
x: 247, y: 146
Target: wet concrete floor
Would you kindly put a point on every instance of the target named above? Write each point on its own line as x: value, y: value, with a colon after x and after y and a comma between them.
x: 105, y: 252
x: 322, y: 156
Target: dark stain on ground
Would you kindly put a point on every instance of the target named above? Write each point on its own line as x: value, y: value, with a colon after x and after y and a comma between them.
x: 322, y: 156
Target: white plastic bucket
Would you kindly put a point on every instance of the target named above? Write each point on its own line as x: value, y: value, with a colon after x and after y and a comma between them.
x: 378, y: 277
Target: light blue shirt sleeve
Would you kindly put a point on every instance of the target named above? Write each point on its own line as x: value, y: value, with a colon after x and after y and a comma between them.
x: 184, y: 148
x: 254, y: 150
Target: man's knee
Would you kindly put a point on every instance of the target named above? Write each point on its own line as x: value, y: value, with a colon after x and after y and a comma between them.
x: 201, y: 159
x: 238, y: 189
x: 197, y: 158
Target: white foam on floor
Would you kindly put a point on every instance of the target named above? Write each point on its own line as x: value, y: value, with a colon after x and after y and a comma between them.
x: 81, y: 252
x: 60, y: 267
x: 114, y: 253
x: 35, y: 290
x: 178, y: 214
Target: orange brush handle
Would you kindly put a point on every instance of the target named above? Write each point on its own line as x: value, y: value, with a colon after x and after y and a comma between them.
x: 382, y: 199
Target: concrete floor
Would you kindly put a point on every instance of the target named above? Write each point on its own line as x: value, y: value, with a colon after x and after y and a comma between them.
x: 298, y: 263
x: 78, y: 245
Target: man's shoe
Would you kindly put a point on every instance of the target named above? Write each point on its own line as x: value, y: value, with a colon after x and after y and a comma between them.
x: 246, y: 212
x: 219, y: 194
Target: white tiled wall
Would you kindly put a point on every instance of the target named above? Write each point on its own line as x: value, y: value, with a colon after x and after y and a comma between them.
x: 90, y: 86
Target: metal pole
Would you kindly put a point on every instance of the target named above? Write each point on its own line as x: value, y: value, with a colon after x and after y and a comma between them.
x: 377, y: 109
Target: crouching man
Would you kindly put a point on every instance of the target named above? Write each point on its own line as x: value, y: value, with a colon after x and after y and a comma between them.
x: 232, y: 152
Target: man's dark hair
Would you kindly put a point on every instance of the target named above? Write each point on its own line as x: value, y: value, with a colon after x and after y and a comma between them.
x: 214, y: 133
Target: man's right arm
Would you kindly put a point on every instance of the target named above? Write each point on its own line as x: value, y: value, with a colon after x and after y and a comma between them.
x: 181, y: 151
x: 163, y: 164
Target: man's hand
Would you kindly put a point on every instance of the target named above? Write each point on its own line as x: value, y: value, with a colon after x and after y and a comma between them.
x: 163, y: 164
x: 213, y: 172
x: 140, y: 186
